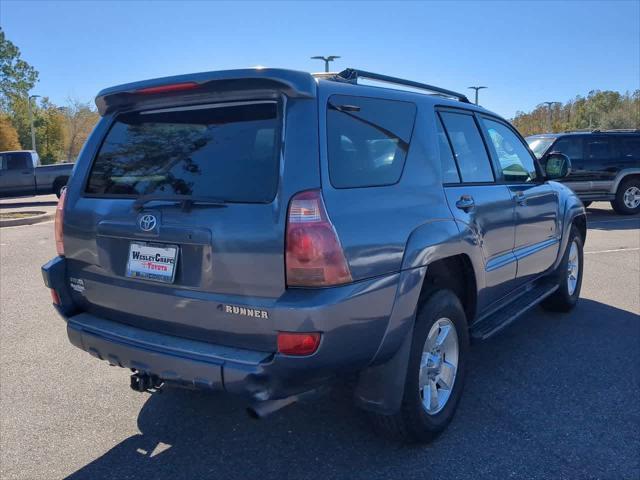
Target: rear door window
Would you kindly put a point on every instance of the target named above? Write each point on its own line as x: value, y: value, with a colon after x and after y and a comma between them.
x: 230, y: 152
x: 449, y: 169
x: 570, y: 146
x: 367, y: 140
x: 468, y: 147
x: 598, y: 148
x: 629, y: 148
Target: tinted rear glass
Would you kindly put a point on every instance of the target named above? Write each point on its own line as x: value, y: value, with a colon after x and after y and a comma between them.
x: 598, y: 148
x: 449, y: 170
x: 468, y: 147
x: 368, y: 140
x: 15, y: 160
x: 570, y: 146
x: 629, y: 147
x: 227, y: 152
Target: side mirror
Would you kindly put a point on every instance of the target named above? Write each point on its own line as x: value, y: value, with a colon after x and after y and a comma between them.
x: 557, y: 165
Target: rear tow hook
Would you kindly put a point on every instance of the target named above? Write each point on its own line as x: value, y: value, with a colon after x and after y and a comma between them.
x: 143, y: 382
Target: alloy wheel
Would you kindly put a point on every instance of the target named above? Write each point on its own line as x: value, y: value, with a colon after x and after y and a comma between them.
x: 631, y: 197
x: 438, y: 366
x: 573, y: 268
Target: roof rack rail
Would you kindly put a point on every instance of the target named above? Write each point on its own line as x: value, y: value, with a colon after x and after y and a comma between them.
x: 617, y: 130
x: 603, y: 130
x: 351, y: 75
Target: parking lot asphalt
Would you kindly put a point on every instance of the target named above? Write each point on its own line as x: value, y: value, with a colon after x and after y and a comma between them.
x: 553, y: 396
x: 44, y: 203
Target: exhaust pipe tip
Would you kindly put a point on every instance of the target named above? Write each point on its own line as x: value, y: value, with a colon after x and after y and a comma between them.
x: 252, y: 413
x: 262, y: 409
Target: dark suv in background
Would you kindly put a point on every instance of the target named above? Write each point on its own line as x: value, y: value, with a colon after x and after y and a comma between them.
x: 605, y: 164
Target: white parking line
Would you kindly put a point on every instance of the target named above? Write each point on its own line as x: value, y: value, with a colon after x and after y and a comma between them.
x: 615, y: 250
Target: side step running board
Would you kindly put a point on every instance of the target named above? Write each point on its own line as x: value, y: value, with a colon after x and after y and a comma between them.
x: 488, y: 326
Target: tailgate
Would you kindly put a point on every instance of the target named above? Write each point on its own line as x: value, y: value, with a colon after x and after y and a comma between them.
x: 210, y: 255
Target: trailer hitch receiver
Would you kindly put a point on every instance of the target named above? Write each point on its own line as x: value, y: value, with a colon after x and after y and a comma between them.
x: 143, y: 382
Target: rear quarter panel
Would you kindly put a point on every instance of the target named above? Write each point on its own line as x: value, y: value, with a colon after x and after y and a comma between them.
x: 570, y: 208
x: 375, y: 224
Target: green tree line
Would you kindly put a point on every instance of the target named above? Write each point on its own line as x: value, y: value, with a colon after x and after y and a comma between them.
x: 60, y: 130
x: 598, y: 110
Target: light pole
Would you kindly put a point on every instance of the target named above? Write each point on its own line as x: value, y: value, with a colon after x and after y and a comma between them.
x: 549, y: 105
x: 476, y: 89
x: 33, y: 132
x: 326, y: 60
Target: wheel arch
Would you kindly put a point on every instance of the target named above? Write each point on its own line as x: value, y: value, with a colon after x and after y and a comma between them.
x: 380, y: 386
x: 622, y: 176
x: 580, y: 222
x: 457, y: 274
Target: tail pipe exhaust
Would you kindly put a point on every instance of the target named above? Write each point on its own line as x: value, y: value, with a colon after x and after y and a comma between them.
x: 261, y: 409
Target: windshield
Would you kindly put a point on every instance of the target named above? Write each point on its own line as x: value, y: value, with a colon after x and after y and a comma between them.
x: 539, y: 145
x: 229, y: 152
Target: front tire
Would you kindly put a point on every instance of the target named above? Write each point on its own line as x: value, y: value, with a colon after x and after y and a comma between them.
x: 435, y: 372
x: 569, y: 276
x: 627, y: 201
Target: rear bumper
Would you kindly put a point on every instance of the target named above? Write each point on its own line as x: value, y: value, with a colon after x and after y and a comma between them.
x: 353, y: 320
x: 173, y: 359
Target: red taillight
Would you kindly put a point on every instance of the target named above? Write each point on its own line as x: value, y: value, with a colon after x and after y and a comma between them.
x: 55, y: 297
x: 314, y: 256
x: 298, y: 343
x: 58, y: 223
x: 174, y: 87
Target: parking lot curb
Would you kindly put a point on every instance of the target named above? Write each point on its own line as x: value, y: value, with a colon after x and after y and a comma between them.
x: 14, y: 222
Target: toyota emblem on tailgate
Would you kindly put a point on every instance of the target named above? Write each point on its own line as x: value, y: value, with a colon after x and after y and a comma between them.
x: 147, y: 222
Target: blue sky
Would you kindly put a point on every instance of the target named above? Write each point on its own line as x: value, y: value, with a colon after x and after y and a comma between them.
x: 526, y: 52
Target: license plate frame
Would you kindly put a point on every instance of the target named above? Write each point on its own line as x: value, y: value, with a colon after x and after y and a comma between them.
x: 152, y: 248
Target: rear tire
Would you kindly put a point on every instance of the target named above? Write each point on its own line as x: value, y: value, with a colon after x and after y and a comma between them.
x: 627, y: 201
x: 569, y: 275
x: 441, y: 316
x: 58, y: 186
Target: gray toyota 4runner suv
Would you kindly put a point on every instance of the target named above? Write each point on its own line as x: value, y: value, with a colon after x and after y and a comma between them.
x: 264, y: 231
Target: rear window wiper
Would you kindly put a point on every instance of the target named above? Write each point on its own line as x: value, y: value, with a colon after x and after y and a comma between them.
x: 186, y: 201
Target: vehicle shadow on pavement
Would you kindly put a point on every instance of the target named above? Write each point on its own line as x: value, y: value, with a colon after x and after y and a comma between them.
x: 552, y: 396
x: 19, y: 204
x: 615, y: 224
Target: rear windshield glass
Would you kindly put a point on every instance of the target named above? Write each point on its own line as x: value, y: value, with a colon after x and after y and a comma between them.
x: 227, y: 152
x: 15, y: 160
x: 367, y: 140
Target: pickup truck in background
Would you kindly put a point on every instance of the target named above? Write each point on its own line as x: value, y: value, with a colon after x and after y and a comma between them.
x: 21, y: 174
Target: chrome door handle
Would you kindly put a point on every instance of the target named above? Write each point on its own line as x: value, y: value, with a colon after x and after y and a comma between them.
x: 465, y: 203
x: 520, y: 198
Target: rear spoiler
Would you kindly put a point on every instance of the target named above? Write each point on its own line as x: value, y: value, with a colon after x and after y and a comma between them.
x: 191, y: 87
